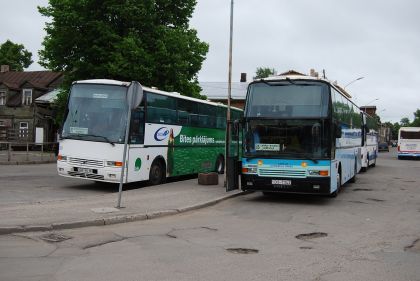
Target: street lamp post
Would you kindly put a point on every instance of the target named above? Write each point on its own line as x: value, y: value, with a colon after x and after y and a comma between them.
x: 227, y: 139
x: 351, y: 82
x: 372, y: 101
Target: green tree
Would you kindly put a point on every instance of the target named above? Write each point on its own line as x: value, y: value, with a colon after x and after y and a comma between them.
x: 149, y: 41
x: 416, y: 121
x: 264, y: 72
x: 405, y: 122
x: 15, y: 55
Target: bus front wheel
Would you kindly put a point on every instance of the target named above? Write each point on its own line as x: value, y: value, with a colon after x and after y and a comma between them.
x: 157, y: 173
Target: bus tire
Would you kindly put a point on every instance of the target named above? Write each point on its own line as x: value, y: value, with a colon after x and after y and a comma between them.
x: 157, y: 173
x: 220, y: 164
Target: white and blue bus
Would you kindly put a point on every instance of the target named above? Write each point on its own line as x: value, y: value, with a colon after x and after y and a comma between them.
x: 170, y: 134
x: 302, y: 134
x: 369, y: 142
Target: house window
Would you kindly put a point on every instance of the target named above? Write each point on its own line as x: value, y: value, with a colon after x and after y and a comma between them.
x: 27, y: 96
x: 23, y: 129
x: 2, y: 98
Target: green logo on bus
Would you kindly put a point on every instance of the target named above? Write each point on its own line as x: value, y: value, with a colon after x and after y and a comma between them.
x: 137, y: 165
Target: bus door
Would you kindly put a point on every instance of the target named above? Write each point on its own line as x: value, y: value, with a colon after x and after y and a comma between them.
x: 233, y: 163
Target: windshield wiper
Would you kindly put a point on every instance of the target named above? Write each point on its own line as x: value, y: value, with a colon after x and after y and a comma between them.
x: 95, y: 136
x: 290, y: 81
x: 307, y: 155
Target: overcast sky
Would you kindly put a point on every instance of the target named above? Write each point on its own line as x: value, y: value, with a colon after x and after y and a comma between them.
x: 377, y: 40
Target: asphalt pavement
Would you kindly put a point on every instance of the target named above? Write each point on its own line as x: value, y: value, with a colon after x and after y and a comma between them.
x: 144, y: 203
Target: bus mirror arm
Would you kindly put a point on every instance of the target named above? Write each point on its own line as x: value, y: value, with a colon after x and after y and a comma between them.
x: 337, y: 130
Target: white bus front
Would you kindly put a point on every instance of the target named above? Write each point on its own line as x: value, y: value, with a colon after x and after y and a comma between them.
x: 92, y: 139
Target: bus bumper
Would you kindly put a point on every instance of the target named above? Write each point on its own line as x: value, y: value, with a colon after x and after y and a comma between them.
x: 408, y: 154
x: 309, y: 185
x: 106, y: 174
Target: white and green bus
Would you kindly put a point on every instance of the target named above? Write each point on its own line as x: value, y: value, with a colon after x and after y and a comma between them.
x: 170, y: 134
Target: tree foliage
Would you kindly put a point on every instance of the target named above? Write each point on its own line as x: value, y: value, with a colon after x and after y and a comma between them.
x: 15, y: 55
x: 416, y: 121
x: 405, y: 122
x: 264, y: 72
x: 149, y: 41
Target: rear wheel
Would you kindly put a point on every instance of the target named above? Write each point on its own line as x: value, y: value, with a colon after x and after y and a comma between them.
x: 156, y: 175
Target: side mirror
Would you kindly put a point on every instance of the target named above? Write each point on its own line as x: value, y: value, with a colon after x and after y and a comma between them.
x: 337, y: 130
x: 134, y: 94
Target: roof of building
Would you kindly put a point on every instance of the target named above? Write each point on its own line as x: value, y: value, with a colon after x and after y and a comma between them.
x: 219, y: 90
x: 49, y: 97
x: 37, y: 79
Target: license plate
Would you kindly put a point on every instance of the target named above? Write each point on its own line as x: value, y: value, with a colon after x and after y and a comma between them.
x: 85, y: 170
x: 281, y: 182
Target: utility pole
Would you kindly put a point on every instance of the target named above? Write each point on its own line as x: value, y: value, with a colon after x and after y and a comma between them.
x: 228, y: 128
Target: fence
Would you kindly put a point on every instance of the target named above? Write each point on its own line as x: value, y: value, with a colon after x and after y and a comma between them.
x: 29, y: 152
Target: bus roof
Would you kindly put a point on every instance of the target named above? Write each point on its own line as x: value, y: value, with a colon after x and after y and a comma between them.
x: 306, y: 77
x: 410, y: 129
x: 148, y: 89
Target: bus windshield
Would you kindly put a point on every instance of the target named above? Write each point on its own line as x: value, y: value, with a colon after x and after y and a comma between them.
x: 304, y: 138
x: 284, y: 99
x: 410, y: 135
x: 96, y: 113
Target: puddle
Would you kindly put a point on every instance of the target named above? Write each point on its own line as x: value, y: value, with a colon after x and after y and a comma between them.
x: 306, y: 248
x: 242, y: 251
x: 376, y: 200
x: 54, y: 237
x: 362, y: 189
x: 312, y: 235
x: 414, y: 247
x: 358, y: 202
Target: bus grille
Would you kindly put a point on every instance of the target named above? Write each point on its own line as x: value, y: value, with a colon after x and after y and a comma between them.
x: 286, y: 173
x: 86, y: 162
x: 88, y: 176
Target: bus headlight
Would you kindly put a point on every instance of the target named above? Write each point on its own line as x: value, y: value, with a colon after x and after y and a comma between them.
x: 323, y: 173
x: 61, y: 157
x: 114, y: 164
x: 249, y: 170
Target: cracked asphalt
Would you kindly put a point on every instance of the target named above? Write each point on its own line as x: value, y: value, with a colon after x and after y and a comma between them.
x: 371, y: 231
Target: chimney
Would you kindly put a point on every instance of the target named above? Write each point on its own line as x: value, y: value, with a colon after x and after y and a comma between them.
x: 243, y: 77
x: 4, y: 68
x: 313, y: 73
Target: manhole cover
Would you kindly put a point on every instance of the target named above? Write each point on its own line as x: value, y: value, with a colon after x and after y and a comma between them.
x: 54, y: 237
x: 312, y: 235
x: 242, y: 251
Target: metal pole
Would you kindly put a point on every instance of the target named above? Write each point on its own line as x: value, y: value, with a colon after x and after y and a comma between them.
x: 127, y: 130
x: 229, y: 91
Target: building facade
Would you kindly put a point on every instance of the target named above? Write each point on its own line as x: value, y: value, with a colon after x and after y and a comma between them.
x: 21, y: 120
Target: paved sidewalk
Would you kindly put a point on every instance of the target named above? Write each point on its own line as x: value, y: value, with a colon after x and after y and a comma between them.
x: 139, y: 204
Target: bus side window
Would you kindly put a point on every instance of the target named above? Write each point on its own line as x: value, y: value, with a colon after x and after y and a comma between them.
x: 137, y: 127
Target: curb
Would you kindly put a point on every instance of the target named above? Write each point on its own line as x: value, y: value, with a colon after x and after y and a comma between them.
x: 27, y: 162
x: 114, y: 220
